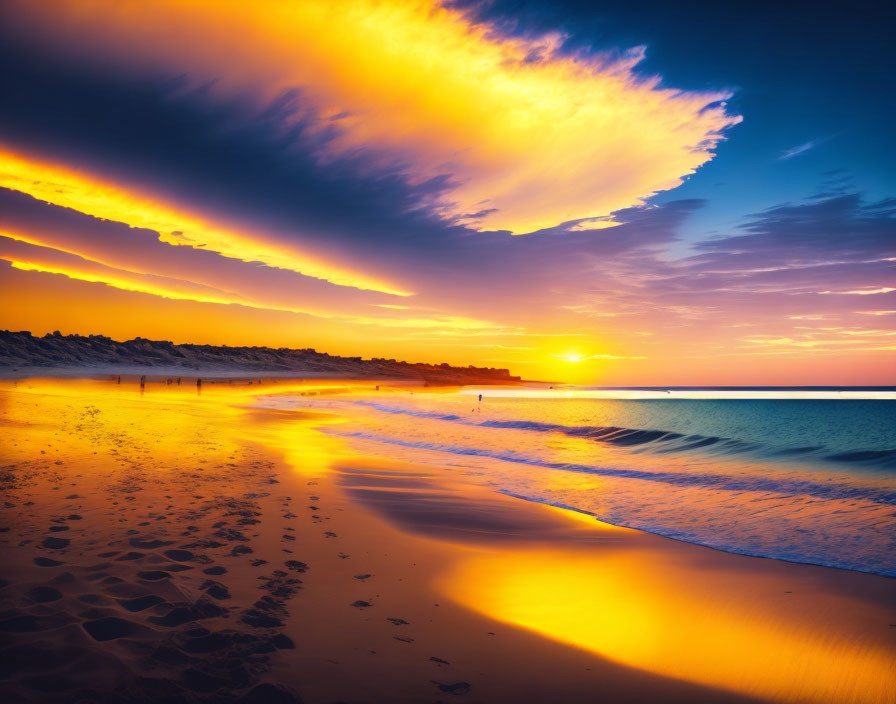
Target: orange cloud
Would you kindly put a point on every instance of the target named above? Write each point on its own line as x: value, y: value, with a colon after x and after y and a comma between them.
x: 527, y: 143
x: 25, y: 254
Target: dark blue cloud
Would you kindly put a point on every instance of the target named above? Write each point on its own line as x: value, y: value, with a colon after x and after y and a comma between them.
x: 222, y: 157
x: 139, y: 249
x: 841, y: 228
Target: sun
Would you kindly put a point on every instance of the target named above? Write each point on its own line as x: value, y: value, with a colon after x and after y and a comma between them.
x: 572, y: 357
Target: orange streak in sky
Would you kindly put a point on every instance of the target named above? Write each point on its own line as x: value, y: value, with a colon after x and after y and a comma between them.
x: 89, y: 194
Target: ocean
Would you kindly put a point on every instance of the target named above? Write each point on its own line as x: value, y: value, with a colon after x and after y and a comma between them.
x: 805, y: 475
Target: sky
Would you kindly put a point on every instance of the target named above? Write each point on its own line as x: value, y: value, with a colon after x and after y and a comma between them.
x: 617, y: 193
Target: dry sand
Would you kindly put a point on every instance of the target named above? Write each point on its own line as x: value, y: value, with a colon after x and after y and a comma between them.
x: 174, y: 546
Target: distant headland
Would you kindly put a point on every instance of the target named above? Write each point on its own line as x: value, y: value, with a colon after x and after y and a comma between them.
x: 22, y: 352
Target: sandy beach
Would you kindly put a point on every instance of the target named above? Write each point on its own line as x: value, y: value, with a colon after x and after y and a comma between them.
x: 181, y: 544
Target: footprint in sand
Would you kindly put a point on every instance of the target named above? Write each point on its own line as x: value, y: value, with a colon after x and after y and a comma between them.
x: 149, y: 543
x: 153, y: 575
x: 180, y: 615
x: 44, y: 594
x: 455, y: 688
x: 55, y: 543
x: 174, y: 567
x: 215, y: 590
x: 141, y: 602
x: 112, y: 628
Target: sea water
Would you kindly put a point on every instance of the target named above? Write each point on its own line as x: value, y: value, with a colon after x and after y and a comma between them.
x: 769, y: 473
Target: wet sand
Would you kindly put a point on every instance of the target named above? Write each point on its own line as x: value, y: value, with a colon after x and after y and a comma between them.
x: 174, y: 546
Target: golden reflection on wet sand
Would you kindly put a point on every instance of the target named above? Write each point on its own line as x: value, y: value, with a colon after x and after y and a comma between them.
x: 763, y: 628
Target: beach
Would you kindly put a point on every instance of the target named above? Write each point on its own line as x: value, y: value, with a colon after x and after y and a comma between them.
x: 229, y: 542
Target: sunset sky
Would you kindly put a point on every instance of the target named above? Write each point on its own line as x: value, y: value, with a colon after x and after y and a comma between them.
x: 612, y: 193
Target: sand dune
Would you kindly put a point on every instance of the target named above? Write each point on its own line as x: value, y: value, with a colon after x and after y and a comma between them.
x: 22, y: 354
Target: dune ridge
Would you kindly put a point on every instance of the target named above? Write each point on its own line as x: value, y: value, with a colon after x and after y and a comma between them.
x: 19, y: 350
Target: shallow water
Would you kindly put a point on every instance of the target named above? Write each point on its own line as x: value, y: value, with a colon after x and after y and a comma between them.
x: 802, y: 480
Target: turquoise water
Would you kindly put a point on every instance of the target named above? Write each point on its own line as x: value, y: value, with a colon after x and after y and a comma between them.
x: 802, y: 480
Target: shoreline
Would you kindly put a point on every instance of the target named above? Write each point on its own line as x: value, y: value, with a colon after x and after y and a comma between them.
x: 132, y: 374
x: 535, y: 603
x: 727, y: 551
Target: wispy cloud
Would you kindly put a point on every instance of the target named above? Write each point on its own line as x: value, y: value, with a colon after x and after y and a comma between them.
x: 861, y: 291
x: 808, y: 146
x: 799, y: 149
